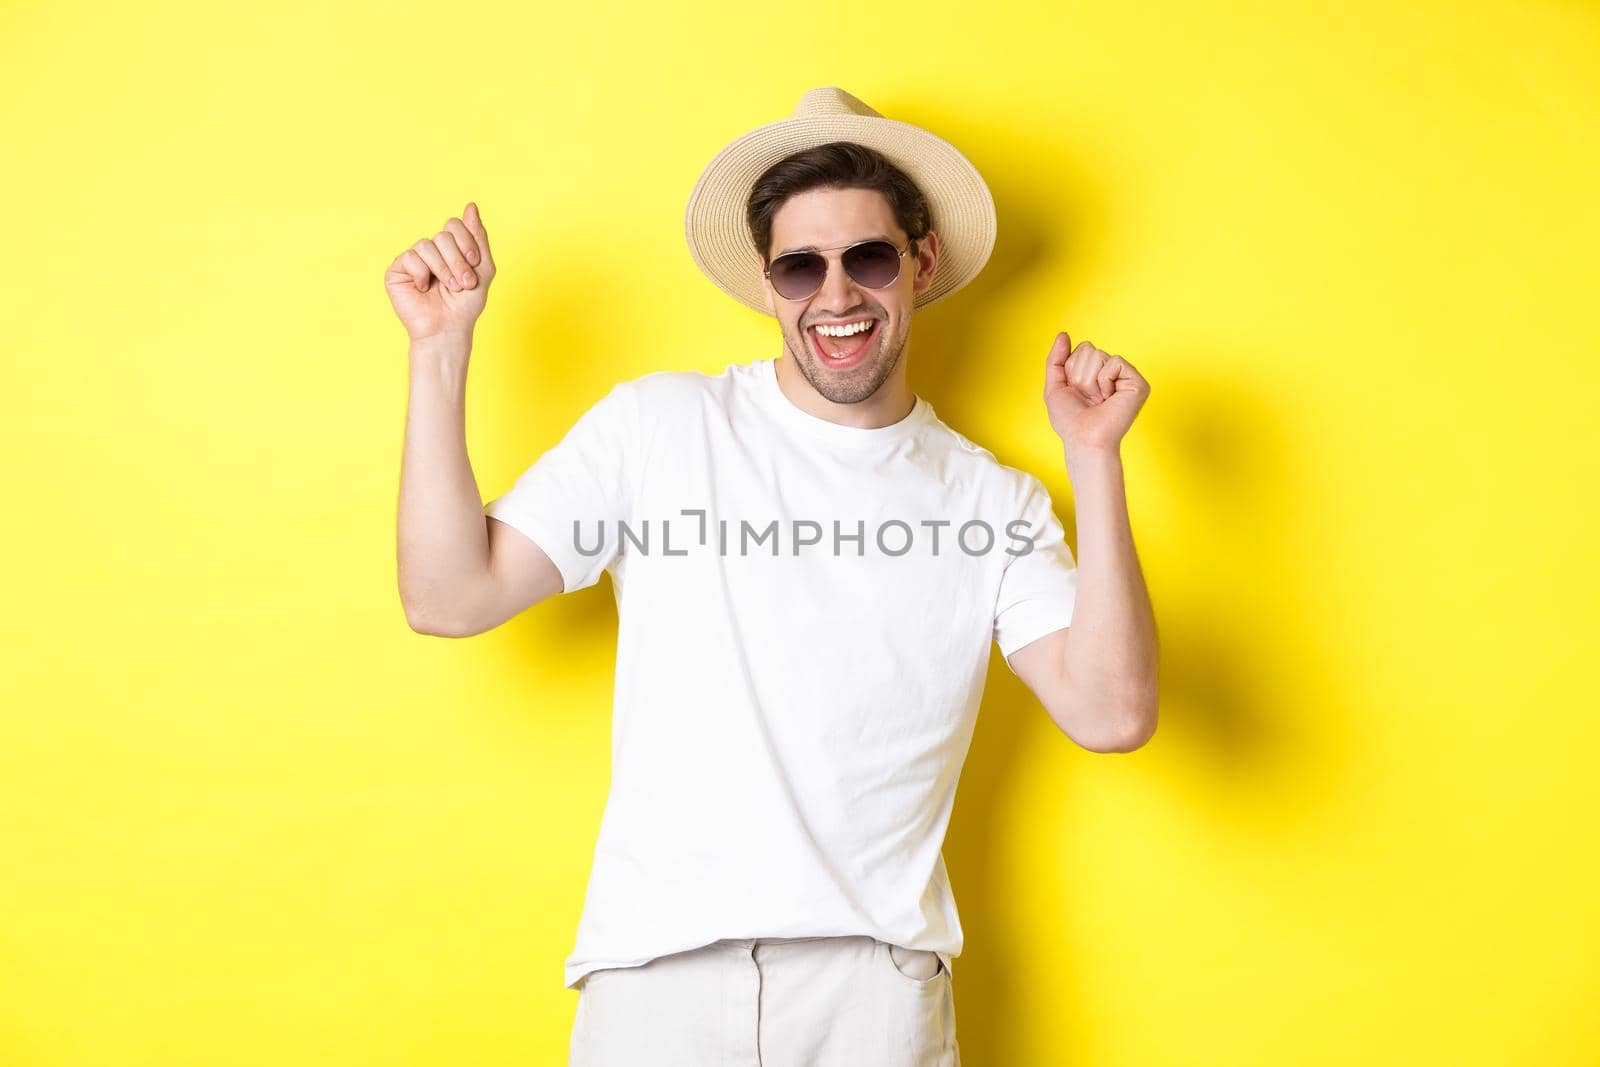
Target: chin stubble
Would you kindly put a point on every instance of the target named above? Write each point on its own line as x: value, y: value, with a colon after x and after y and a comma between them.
x: 850, y: 388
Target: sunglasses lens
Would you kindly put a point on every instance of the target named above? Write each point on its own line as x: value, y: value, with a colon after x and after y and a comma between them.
x: 874, y: 264
x: 798, y: 275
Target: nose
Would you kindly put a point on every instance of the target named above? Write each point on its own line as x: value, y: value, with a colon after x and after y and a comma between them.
x: 839, y: 292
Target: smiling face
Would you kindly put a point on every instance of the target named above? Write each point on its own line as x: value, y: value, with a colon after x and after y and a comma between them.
x: 853, y: 369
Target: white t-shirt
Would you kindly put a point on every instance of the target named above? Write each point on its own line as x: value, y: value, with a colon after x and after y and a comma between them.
x: 792, y: 710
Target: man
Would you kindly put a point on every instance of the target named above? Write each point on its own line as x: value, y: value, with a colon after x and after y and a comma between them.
x: 809, y: 567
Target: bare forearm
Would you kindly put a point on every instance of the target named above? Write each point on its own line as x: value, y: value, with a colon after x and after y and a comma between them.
x: 443, y: 545
x: 1112, y: 652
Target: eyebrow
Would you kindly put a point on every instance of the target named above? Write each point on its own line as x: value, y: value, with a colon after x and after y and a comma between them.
x: 813, y: 248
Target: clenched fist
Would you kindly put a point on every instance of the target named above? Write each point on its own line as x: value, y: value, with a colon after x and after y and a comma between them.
x: 1091, y: 395
x: 439, y: 285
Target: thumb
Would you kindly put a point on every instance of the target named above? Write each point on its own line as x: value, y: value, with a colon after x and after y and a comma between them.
x: 474, y: 224
x: 1055, y: 365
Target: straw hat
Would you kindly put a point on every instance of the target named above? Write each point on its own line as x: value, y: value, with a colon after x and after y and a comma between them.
x: 959, y: 202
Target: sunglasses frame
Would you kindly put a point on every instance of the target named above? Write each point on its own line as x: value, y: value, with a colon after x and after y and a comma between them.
x: 828, y: 263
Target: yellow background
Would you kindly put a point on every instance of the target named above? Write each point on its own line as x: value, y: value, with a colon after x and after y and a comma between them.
x: 250, y: 818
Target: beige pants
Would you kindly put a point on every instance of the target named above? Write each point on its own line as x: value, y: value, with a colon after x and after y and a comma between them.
x: 771, y: 1002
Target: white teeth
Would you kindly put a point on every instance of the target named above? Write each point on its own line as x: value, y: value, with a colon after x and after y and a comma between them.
x: 845, y: 331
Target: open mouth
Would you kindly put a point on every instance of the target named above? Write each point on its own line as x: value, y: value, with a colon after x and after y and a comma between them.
x: 841, y: 352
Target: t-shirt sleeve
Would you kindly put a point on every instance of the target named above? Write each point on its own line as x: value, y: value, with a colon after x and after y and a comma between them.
x: 570, y: 500
x: 1039, y: 587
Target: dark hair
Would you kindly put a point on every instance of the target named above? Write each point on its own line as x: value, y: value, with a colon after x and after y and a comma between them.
x: 839, y: 165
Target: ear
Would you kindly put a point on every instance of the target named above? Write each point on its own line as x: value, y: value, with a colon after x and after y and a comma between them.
x: 927, y: 261
x: 766, y: 286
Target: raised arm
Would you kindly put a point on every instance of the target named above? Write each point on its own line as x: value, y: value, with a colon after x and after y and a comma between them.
x: 460, y: 572
x: 1098, y: 679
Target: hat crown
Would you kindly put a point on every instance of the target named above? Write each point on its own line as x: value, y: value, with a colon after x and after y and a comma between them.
x: 831, y: 100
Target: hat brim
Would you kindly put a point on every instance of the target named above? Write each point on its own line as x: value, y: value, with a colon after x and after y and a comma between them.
x: 959, y: 201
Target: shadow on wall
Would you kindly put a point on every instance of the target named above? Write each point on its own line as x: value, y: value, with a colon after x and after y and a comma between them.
x: 1243, y: 747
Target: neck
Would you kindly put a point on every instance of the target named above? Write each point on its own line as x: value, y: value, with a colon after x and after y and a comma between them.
x: 892, y: 402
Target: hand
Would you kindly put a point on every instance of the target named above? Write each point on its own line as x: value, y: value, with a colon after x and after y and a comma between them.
x: 423, y: 282
x: 1091, y: 397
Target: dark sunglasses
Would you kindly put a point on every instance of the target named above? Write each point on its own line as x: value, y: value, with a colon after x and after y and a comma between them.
x: 798, y: 275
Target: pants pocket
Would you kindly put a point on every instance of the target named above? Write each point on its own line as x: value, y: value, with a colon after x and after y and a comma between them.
x: 916, y: 965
